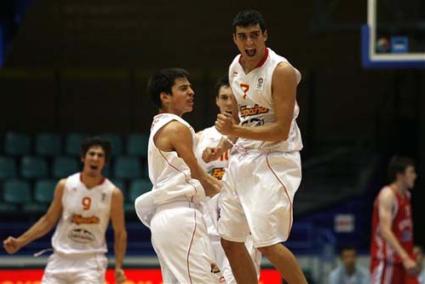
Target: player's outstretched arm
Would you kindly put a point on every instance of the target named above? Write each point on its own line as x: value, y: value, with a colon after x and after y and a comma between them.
x: 120, y: 233
x: 42, y: 226
x: 386, y: 203
x: 284, y: 88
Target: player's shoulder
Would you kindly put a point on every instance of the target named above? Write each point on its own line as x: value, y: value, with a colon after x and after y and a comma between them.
x: 175, y: 125
x: 284, y: 68
x: 386, y: 194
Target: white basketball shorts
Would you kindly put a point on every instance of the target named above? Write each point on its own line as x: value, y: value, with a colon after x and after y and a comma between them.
x: 257, y: 196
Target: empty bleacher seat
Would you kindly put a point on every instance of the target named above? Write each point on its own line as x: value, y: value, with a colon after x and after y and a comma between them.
x: 44, y: 190
x: 7, y: 167
x: 127, y: 167
x: 64, y: 166
x: 33, y: 167
x: 16, y: 192
x: 48, y: 144
x: 17, y: 144
x: 116, y: 143
x: 73, y: 143
x: 43, y: 195
x: 137, y: 145
x: 137, y: 187
x: 120, y: 184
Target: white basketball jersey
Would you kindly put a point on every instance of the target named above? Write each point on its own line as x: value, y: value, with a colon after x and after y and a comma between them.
x: 85, y: 217
x: 210, y: 137
x: 169, y: 174
x: 253, y: 92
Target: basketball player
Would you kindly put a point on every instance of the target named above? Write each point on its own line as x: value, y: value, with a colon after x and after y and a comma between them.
x: 265, y: 170
x: 392, y: 258
x: 207, y: 140
x: 172, y: 208
x: 83, y: 203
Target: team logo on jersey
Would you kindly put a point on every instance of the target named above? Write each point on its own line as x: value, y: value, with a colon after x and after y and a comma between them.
x: 103, y: 197
x: 254, y: 110
x: 260, y: 83
x: 245, y: 88
x: 79, y: 219
x: 82, y: 236
x: 217, y: 173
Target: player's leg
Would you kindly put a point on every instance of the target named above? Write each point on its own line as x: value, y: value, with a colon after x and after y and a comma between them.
x: 285, y: 262
x: 233, y: 229
x: 267, y: 204
x: 240, y: 261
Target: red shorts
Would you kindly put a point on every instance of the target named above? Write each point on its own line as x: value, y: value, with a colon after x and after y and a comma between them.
x: 390, y: 273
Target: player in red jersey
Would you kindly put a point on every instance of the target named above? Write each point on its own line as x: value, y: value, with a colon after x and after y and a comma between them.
x: 392, y: 258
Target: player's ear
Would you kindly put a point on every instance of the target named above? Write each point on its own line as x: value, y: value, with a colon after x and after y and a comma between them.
x: 165, y: 97
x: 266, y: 35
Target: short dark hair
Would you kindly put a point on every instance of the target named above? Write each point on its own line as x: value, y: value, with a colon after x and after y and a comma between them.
x: 162, y: 81
x: 347, y: 247
x: 246, y: 18
x: 96, y: 141
x: 398, y: 165
x: 222, y: 82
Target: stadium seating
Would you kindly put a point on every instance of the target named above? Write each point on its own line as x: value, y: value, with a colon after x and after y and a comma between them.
x: 17, y: 144
x: 47, y: 144
x: 28, y: 175
x: 73, y: 143
x: 7, y: 167
x: 64, y: 166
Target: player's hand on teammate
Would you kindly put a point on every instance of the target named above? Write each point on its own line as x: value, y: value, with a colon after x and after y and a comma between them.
x: 411, y: 266
x: 225, y: 124
x: 211, y: 154
x: 11, y: 245
x: 120, y: 276
x: 212, y: 186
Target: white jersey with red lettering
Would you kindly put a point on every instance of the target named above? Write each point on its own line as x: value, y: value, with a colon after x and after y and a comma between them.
x: 262, y: 178
x: 253, y: 92
x: 85, y: 218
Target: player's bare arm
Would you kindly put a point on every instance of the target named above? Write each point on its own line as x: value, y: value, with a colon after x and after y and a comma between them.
x: 42, y: 226
x: 386, y: 201
x: 284, y: 85
x: 213, y: 153
x: 177, y: 137
x: 120, y: 233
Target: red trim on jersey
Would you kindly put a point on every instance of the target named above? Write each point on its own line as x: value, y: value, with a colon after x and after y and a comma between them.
x: 286, y: 192
x: 102, y: 180
x: 190, y: 247
x: 263, y: 60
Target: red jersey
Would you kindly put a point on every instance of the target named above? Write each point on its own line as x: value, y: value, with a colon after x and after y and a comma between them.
x: 402, y: 228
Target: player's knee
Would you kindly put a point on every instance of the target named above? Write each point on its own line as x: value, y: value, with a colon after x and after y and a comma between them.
x: 266, y: 251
